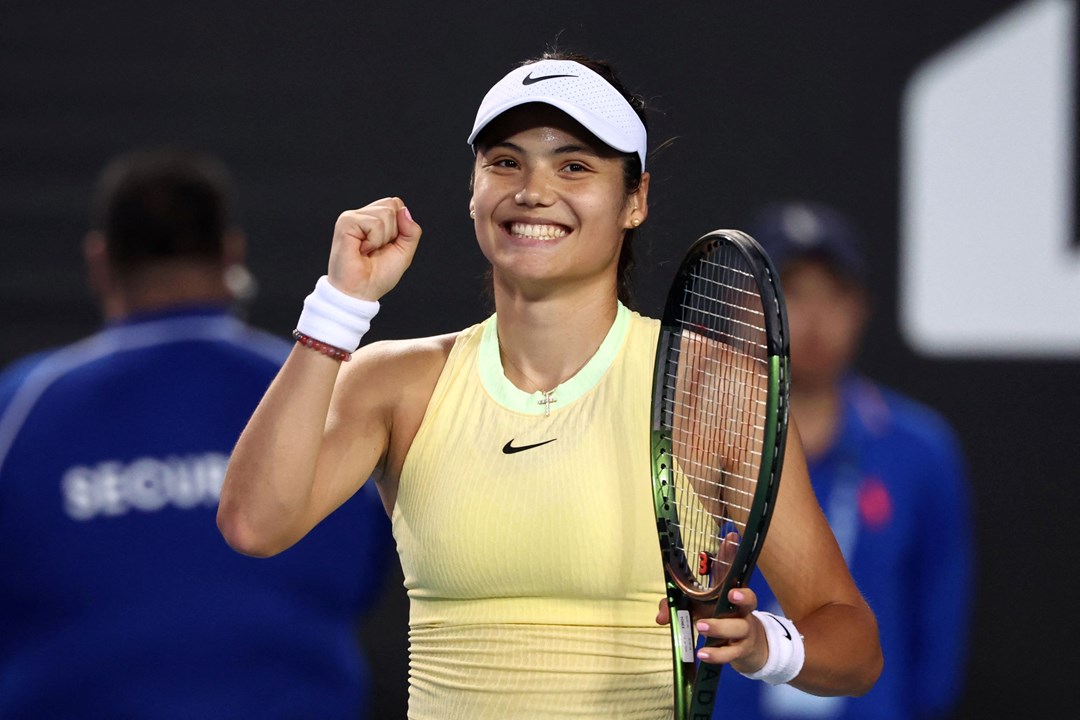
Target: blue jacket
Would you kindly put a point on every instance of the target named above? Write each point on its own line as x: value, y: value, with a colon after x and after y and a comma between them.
x: 118, y: 596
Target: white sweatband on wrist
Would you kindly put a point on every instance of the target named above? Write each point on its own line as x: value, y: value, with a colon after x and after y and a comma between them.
x: 336, y: 318
x: 786, y: 652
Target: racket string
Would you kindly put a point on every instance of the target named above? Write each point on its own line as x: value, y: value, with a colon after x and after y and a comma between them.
x: 717, y: 376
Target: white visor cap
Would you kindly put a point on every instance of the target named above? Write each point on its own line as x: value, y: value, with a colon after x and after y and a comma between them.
x: 577, y: 91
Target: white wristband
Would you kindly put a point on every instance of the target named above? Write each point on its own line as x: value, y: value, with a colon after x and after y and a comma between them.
x: 786, y: 652
x: 336, y: 318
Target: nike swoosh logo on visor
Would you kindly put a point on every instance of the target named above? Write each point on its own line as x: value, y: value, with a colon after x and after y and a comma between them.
x: 529, y: 79
x: 509, y: 448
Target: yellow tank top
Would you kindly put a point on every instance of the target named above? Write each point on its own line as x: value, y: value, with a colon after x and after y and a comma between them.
x: 528, y: 540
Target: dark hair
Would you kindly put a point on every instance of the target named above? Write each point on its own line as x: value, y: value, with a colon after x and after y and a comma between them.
x: 162, y: 204
x: 632, y: 169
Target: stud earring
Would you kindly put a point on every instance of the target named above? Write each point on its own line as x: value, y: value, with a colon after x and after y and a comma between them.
x: 636, y: 221
x: 472, y: 214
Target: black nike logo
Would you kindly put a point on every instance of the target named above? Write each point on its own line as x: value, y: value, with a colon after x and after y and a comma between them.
x: 509, y: 448
x: 529, y: 79
x: 782, y: 627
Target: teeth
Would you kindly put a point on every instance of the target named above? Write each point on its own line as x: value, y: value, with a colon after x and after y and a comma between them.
x: 537, y: 232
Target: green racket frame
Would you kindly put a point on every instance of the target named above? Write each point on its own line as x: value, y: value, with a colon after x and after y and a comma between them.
x: 696, y: 683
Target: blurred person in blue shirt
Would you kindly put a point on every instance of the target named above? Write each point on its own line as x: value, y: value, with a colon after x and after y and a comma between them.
x: 889, y: 474
x: 118, y: 597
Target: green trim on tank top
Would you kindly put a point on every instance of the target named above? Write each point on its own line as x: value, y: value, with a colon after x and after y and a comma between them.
x: 513, y: 398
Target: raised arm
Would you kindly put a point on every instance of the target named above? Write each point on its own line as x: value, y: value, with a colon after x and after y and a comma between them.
x: 317, y: 434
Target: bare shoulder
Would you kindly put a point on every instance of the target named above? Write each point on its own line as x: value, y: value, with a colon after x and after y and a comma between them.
x: 409, y: 355
x: 390, y: 383
x: 397, y: 372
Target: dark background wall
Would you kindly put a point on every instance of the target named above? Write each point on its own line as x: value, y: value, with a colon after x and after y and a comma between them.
x: 322, y: 106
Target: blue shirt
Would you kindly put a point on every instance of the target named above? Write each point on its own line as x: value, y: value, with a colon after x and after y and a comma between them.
x: 118, y: 596
x: 894, y: 489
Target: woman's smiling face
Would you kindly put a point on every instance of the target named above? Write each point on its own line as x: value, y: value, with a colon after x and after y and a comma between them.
x: 550, y: 200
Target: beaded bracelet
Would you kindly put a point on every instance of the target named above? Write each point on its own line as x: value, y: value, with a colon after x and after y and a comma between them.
x: 310, y: 342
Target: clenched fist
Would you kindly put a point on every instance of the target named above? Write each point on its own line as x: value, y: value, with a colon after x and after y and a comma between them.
x: 372, y: 248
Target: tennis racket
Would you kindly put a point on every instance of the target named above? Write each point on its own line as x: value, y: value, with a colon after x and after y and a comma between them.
x: 719, y: 422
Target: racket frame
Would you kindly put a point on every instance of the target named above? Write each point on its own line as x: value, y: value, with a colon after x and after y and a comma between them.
x: 695, y: 684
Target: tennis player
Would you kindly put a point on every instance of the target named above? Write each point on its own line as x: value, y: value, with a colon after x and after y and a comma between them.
x: 513, y: 456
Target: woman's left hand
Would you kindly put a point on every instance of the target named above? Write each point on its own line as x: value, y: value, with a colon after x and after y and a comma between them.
x: 739, y: 639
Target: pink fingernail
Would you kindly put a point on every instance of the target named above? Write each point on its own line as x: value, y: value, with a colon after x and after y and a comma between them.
x: 703, y: 626
x: 407, y: 213
x: 736, y: 596
x: 702, y: 655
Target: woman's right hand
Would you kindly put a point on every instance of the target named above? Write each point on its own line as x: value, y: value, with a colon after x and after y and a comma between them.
x: 372, y: 248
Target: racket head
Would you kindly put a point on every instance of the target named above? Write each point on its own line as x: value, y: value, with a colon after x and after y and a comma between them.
x: 719, y: 416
